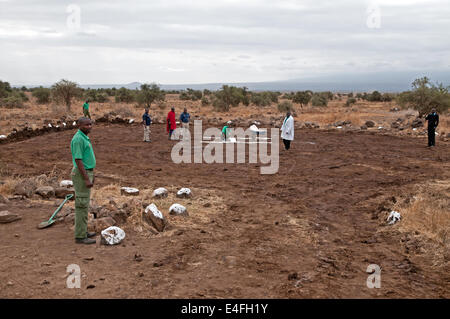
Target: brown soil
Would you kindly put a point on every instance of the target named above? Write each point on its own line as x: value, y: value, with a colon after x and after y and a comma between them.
x: 309, y: 231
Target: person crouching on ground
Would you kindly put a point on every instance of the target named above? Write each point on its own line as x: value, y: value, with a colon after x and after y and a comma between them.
x: 146, y: 121
x: 171, y: 124
x: 287, y: 130
x: 433, y: 122
x: 83, y: 160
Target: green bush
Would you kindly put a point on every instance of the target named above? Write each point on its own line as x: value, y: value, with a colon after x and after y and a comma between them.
x: 425, y: 96
x: 265, y: 98
x: 12, y: 101
x: 285, y: 106
x: 42, y: 95
x: 5, y: 89
x: 319, y: 100
x: 205, y: 101
x: 102, y: 97
x: 230, y: 96
x: 184, y: 96
x: 64, y: 91
x: 350, y: 101
x: 150, y: 93
x: 124, y: 95
x: 302, y: 97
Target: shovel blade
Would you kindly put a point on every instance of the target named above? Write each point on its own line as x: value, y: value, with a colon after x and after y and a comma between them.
x: 46, y: 224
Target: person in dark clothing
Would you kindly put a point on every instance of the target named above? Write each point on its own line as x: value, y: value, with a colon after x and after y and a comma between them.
x: 146, y: 121
x: 433, y: 122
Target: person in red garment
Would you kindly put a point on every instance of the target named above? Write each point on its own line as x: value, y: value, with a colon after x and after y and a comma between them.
x: 171, y: 122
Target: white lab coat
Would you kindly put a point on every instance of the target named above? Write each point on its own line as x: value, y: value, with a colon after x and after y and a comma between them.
x: 287, y: 129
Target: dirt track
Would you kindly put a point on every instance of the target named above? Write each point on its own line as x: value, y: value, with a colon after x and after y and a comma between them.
x: 318, y: 217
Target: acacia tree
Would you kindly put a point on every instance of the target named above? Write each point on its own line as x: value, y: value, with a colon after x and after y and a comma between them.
x: 150, y: 93
x: 302, y: 97
x: 64, y: 91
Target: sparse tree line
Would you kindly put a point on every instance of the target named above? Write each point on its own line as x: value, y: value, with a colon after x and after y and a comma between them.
x: 423, y: 96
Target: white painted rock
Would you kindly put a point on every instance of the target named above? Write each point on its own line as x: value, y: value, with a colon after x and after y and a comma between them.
x: 393, y: 217
x: 66, y: 183
x: 160, y: 193
x: 64, y: 124
x: 184, y: 193
x: 154, y: 217
x: 177, y: 209
x: 49, y: 125
x: 129, y: 191
x: 2, y: 137
x: 131, y: 121
x: 254, y: 128
x: 7, y: 217
x: 74, y: 123
x: 112, y: 235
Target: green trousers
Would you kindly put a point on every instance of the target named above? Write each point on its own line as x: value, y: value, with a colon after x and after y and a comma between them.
x: 82, y: 199
x: 86, y: 113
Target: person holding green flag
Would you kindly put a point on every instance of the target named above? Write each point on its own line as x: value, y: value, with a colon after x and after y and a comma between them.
x: 83, y: 160
x: 86, y: 109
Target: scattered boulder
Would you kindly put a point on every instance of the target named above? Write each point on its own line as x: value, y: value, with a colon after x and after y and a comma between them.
x: 395, y: 125
x: 370, y: 123
x: 3, y: 199
x: 160, y: 193
x: 394, y: 109
x: 363, y: 127
x: 184, y: 193
x: 7, y: 217
x: 177, y: 209
x: 66, y: 183
x: 62, y: 192
x: 154, y: 217
x: 25, y: 188
x: 417, y: 123
x: 120, y: 216
x: 393, y: 217
x: 45, y: 192
x: 112, y: 236
x: 129, y: 191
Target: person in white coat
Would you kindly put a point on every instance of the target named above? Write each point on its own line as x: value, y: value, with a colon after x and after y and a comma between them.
x: 287, y: 130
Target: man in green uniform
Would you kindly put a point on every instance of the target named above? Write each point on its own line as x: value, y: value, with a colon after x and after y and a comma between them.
x: 83, y: 159
x: 86, y: 109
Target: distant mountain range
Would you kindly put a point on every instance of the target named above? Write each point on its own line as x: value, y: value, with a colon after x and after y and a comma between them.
x: 349, y: 82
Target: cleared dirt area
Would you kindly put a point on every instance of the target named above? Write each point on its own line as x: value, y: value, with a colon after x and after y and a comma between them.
x: 309, y: 231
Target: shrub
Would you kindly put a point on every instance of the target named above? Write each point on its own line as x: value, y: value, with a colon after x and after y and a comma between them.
x: 319, y: 100
x: 5, y: 89
x: 350, y: 101
x: 285, y: 106
x: 148, y: 94
x: 425, y: 96
x: 64, y: 91
x: 42, y: 95
x: 375, y: 96
x: 302, y: 97
x: 102, y: 97
x: 264, y: 98
x: 124, y: 95
x: 184, y: 96
x: 230, y: 96
x: 12, y: 101
x: 205, y: 101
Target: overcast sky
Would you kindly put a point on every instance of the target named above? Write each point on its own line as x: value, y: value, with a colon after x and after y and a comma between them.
x: 175, y: 42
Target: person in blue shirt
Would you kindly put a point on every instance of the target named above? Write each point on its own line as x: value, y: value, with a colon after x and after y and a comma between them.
x: 184, y: 119
x: 146, y: 121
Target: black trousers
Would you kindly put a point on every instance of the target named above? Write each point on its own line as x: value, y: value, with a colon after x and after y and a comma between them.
x: 431, y: 137
x: 287, y: 144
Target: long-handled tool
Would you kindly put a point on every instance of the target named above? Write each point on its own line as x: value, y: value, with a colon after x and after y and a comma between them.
x: 50, y: 222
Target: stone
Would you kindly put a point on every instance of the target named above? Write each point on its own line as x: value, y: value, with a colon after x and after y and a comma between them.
x: 101, y: 224
x: 25, y: 188
x: 7, y: 217
x: 62, y: 192
x: 184, y: 193
x: 112, y: 236
x: 370, y: 123
x: 130, y: 191
x: 45, y: 191
x: 3, y: 199
x: 154, y: 217
x: 66, y: 183
x: 417, y: 123
x: 177, y: 209
x: 363, y: 127
x: 393, y: 217
x: 160, y: 193
x: 70, y: 219
x: 120, y: 216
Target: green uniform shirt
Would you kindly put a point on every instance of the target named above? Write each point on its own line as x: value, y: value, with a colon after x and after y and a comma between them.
x: 224, y: 130
x: 81, y: 148
x: 86, y: 106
